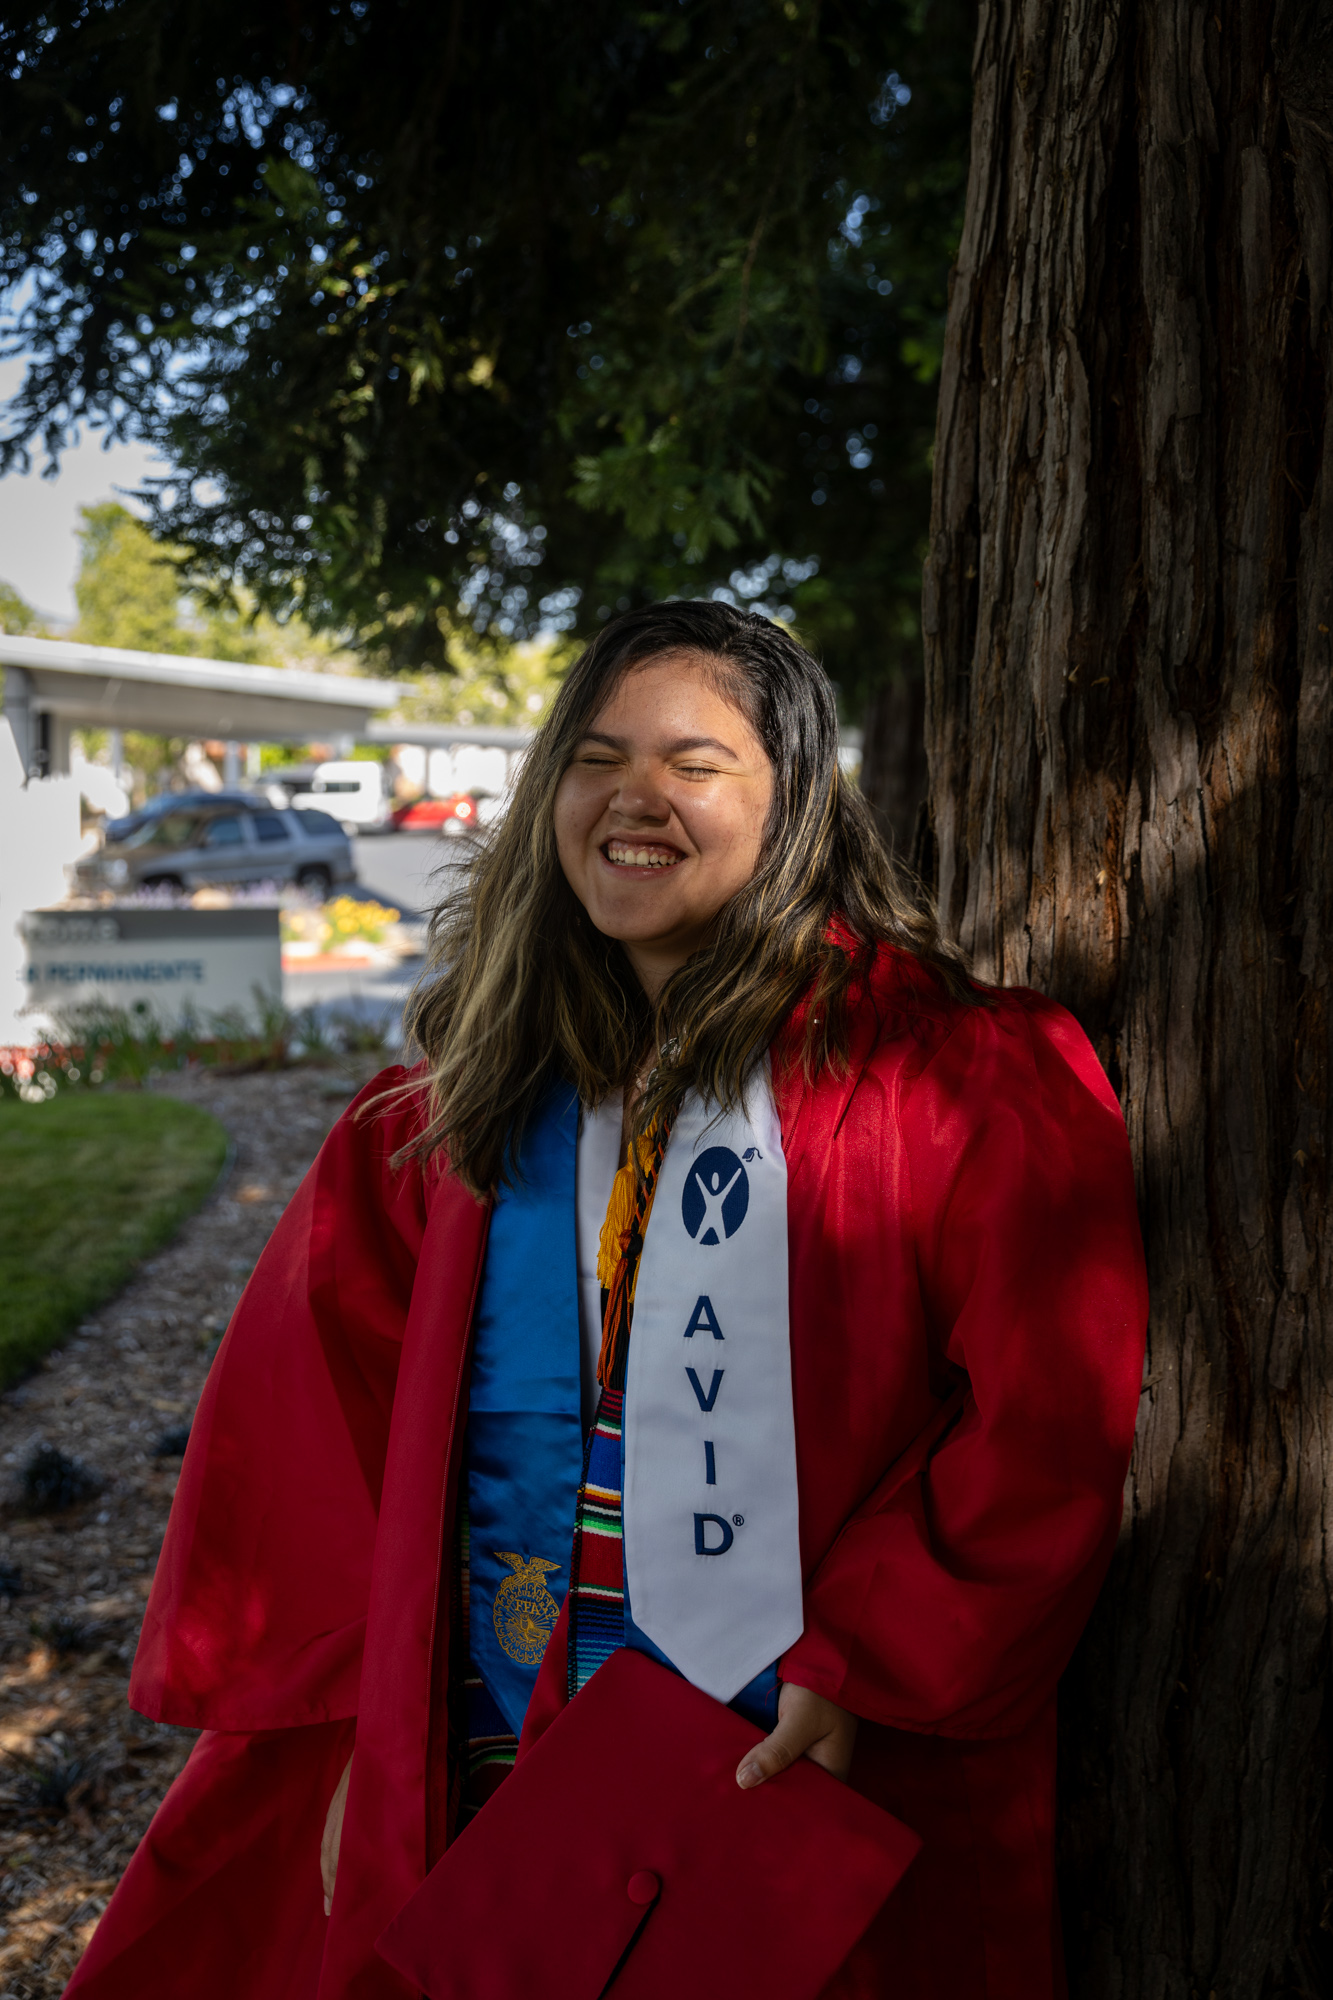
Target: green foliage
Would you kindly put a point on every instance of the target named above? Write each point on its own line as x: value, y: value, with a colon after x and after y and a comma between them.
x: 524, y: 312
x: 506, y: 684
x: 89, y: 1184
x: 128, y: 1046
x: 16, y: 614
x: 132, y: 591
x: 128, y: 590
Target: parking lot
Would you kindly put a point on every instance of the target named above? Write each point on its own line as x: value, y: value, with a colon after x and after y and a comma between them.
x: 399, y: 868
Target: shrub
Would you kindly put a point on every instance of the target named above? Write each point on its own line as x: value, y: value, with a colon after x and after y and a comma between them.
x: 51, y: 1481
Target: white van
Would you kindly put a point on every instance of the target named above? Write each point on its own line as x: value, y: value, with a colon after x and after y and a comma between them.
x: 353, y: 791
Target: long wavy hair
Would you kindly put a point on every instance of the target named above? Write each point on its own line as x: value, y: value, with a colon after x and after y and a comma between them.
x: 520, y: 988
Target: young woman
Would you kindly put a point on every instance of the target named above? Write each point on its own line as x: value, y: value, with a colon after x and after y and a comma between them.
x: 723, y: 1210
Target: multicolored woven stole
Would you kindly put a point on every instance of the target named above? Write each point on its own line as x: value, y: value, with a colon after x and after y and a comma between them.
x: 597, y: 1566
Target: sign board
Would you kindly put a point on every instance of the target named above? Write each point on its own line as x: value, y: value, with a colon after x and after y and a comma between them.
x: 175, y: 961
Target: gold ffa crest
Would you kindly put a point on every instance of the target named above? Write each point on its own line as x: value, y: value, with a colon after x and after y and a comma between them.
x: 525, y: 1611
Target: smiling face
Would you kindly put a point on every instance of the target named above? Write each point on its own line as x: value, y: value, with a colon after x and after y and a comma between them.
x: 660, y: 817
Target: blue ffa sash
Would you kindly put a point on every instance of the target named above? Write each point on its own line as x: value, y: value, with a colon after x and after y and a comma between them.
x: 525, y: 1432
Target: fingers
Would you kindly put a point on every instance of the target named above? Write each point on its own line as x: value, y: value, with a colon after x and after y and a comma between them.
x: 333, y: 1833
x: 792, y: 1737
x: 833, y: 1752
x: 808, y: 1726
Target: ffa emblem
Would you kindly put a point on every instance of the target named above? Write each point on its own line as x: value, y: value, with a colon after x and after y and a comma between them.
x: 716, y: 1196
x: 525, y: 1611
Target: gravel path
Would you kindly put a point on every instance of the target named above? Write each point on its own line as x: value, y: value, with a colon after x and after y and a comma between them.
x: 80, y: 1774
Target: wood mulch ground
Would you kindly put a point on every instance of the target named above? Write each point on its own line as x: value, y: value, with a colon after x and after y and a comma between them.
x: 80, y: 1774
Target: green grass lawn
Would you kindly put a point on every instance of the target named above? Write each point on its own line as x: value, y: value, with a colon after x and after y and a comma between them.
x: 89, y: 1183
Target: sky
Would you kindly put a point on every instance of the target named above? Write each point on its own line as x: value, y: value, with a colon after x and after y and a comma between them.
x: 39, y: 555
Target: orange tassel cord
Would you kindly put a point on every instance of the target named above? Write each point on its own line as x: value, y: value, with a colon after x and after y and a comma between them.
x: 620, y: 1248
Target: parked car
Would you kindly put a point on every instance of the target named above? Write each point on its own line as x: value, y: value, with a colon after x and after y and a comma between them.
x: 120, y: 829
x: 227, y: 841
x: 352, y: 790
x: 456, y: 814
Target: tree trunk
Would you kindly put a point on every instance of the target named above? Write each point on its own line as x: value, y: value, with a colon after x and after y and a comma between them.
x: 1130, y: 734
x: 893, y: 754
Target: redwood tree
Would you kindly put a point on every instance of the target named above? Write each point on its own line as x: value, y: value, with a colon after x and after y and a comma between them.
x: 1130, y: 731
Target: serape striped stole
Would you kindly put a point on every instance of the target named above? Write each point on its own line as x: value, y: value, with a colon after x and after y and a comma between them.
x: 597, y: 1569
x: 597, y: 1565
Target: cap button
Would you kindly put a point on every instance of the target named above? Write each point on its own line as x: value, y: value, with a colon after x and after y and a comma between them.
x: 643, y: 1887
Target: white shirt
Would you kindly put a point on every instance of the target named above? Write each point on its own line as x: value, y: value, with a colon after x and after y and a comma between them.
x: 598, y: 1159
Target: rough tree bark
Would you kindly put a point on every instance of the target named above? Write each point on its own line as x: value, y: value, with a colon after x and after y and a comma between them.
x: 893, y: 756
x: 1130, y: 731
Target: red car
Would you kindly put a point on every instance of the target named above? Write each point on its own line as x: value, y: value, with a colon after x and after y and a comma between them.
x: 417, y: 815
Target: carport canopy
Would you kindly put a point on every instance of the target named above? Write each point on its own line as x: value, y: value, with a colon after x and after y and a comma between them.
x: 171, y: 694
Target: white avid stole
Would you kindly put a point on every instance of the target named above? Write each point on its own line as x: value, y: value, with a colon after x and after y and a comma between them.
x: 712, y: 1542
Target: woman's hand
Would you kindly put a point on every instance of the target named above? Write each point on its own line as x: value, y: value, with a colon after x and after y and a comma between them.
x: 808, y: 1726
x: 333, y: 1833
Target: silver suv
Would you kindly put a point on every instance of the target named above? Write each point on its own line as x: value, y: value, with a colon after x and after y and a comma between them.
x: 196, y: 846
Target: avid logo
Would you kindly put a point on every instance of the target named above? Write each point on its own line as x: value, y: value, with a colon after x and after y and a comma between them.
x: 716, y: 1196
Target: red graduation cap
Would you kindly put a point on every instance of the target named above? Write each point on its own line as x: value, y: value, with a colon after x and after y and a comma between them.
x: 622, y: 1847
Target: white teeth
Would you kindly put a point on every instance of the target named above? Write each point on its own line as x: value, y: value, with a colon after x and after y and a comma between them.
x: 637, y: 857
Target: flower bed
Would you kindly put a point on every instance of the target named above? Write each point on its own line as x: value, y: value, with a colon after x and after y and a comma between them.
x: 333, y: 936
x: 128, y: 1046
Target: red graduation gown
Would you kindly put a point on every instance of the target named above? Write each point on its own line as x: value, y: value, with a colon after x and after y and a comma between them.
x: 961, y: 1217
